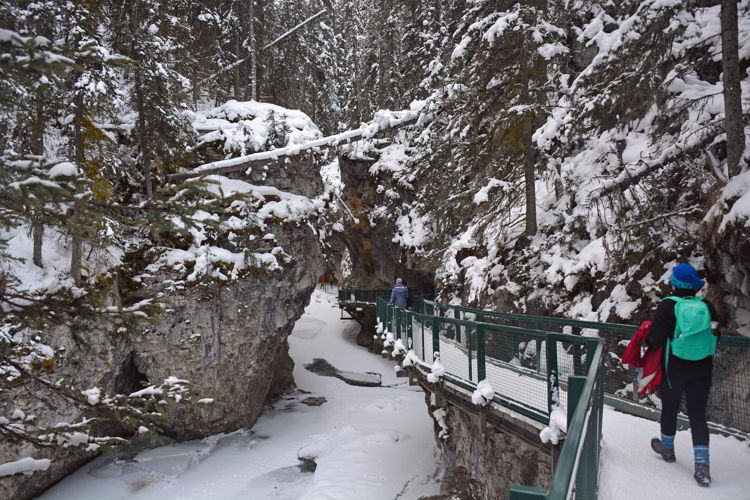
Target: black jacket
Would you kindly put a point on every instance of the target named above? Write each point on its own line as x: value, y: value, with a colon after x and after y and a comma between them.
x: 664, y: 322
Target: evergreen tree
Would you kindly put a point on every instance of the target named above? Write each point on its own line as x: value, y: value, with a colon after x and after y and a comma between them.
x: 152, y: 33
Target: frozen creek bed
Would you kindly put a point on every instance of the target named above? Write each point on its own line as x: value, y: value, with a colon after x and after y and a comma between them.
x: 369, y: 443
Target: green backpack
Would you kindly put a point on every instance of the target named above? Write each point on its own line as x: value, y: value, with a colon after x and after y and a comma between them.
x: 693, y: 338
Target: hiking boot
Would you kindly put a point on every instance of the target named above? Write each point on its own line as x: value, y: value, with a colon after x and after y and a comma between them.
x: 702, y: 476
x: 667, y: 455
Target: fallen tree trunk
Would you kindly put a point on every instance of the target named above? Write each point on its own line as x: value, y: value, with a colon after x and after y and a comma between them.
x: 366, y: 131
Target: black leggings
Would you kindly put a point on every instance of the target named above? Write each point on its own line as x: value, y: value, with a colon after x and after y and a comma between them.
x: 695, y: 382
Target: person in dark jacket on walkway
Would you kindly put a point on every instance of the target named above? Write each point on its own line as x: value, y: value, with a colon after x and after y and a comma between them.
x: 687, y: 367
x: 399, y: 294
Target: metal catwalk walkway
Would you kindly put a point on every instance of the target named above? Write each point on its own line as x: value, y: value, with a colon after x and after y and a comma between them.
x: 538, y: 365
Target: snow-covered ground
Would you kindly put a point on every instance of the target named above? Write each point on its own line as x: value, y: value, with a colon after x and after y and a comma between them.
x: 630, y: 470
x: 370, y: 442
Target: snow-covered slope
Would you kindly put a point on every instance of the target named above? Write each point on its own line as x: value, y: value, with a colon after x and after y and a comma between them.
x: 627, y: 151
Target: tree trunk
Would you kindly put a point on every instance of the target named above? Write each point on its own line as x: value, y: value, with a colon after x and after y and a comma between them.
x: 381, y: 76
x: 238, y: 69
x: 733, y: 123
x: 196, y: 91
x: 535, y: 71
x: 529, y: 164
x: 260, y: 40
x: 142, y: 134
x: 37, y: 234
x: 253, y: 52
x: 37, y: 228
x: 77, y: 243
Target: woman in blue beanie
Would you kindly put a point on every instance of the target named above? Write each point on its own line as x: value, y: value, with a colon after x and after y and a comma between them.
x: 683, y: 324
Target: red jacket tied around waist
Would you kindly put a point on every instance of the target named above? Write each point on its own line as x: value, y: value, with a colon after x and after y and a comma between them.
x: 650, y: 363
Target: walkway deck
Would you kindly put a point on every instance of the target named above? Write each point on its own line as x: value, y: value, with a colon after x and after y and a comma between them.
x: 533, y: 369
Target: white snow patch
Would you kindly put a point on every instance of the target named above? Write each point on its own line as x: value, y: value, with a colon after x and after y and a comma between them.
x: 25, y: 465
x: 483, y: 393
x: 558, y: 426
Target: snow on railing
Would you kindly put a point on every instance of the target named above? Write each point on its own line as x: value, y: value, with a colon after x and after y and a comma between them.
x: 460, y: 359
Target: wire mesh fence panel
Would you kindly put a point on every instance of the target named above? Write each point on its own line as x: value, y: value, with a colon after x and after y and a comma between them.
x: 418, y: 331
x: 513, y: 367
x: 619, y: 380
x: 454, y: 357
x: 428, y: 343
x: 571, y: 360
x: 729, y: 399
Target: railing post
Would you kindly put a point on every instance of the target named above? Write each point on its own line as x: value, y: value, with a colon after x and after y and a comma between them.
x: 481, y: 369
x: 409, y: 333
x: 577, y: 361
x: 398, y: 323
x: 467, y: 330
x: 575, y: 388
x: 538, y: 355
x: 435, y: 336
x: 553, y: 379
x: 588, y: 469
x: 421, y: 323
x: 634, y: 377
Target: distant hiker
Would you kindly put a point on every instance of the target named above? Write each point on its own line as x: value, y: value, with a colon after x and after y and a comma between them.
x: 399, y: 294
x: 683, y: 325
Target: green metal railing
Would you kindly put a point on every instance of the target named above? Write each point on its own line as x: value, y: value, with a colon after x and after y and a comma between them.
x: 577, y: 471
x: 538, y: 362
x: 472, y: 351
x: 729, y: 404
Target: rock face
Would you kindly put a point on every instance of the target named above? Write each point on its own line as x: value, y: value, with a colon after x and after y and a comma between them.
x: 479, y: 467
x: 232, y: 345
x: 228, y: 338
x: 376, y: 260
x: 730, y: 269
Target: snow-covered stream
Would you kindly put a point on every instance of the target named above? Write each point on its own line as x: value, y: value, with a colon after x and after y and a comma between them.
x: 370, y: 443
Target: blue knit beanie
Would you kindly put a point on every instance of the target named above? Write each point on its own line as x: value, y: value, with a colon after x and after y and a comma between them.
x: 685, y: 276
